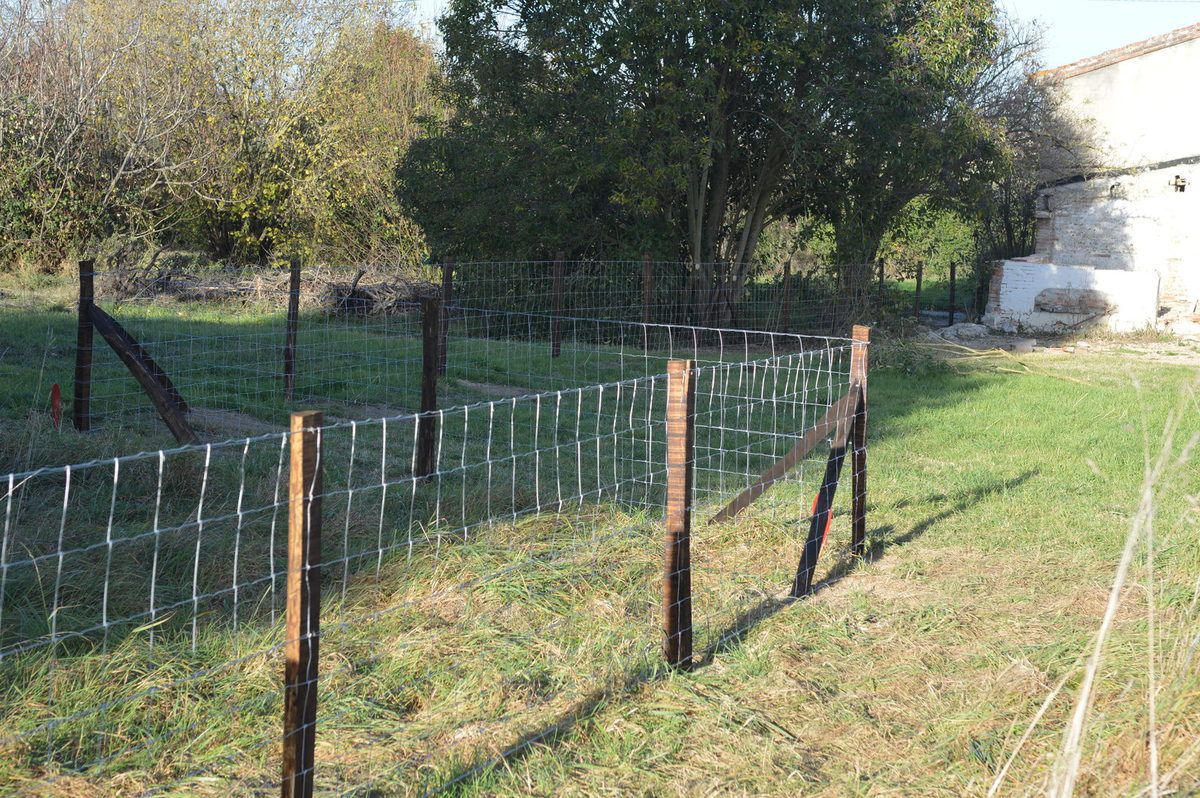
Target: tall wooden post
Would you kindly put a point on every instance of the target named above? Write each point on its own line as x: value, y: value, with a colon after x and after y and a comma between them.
x: 447, y: 294
x: 786, y: 309
x: 953, y: 280
x: 430, y: 358
x: 81, y: 405
x: 881, y: 276
x: 303, y: 606
x: 917, y: 296
x: 647, y: 298
x: 677, y: 576
x: 289, y: 343
x: 859, y: 355
x: 556, y: 288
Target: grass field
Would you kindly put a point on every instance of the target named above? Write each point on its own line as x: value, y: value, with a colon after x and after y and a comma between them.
x: 1000, y: 501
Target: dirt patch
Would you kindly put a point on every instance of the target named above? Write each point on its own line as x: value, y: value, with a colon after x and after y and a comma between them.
x: 491, y: 389
x: 366, y: 412
x: 229, y: 423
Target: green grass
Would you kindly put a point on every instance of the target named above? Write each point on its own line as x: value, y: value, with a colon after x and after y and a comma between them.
x: 523, y: 659
x: 935, y: 294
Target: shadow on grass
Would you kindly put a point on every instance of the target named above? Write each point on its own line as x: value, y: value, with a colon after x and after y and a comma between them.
x: 881, y: 539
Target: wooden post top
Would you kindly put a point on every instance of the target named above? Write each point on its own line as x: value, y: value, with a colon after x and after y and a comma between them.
x: 307, y: 419
x: 861, y: 333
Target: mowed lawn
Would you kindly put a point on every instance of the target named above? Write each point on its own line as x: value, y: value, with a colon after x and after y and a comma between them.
x: 1000, y: 498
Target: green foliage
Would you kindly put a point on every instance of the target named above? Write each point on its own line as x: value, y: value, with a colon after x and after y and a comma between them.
x: 277, y: 131
x: 691, y: 128
x: 933, y: 238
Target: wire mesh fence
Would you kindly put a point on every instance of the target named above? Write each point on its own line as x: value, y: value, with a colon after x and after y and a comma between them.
x: 711, y: 294
x: 230, y: 371
x: 488, y: 570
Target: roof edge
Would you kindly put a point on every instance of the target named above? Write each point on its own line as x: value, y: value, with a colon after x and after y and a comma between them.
x: 1119, y: 54
x: 1191, y: 160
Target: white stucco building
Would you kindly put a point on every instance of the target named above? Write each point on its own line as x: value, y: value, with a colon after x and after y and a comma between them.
x: 1121, y: 247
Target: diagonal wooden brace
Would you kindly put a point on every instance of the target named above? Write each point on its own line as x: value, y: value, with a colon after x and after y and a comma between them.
x: 154, y: 380
x: 838, y: 416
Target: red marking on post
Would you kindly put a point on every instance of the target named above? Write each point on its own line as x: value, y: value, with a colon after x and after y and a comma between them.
x: 56, y: 405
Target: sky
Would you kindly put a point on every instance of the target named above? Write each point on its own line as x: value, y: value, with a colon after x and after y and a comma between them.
x: 1075, y: 29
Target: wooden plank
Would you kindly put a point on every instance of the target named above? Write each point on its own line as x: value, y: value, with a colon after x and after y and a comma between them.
x: 146, y: 372
x: 447, y: 295
x: 822, y: 509
x: 302, y: 639
x: 81, y: 405
x: 293, y: 321
x: 836, y: 415
x: 556, y: 288
x: 859, y: 355
x: 681, y: 458
x: 430, y: 357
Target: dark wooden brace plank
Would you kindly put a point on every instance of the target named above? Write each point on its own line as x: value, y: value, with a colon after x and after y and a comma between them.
x: 154, y: 380
x: 802, y: 584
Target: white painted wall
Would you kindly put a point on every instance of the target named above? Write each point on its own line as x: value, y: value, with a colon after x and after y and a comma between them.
x: 1134, y: 222
x: 1016, y: 285
x: 1143, y: 109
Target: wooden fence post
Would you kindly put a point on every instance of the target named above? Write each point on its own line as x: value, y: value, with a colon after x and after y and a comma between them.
x: 556, y: 287
x: 953, y: 278
x: 677, y: 577
x: 303, y: 606
x: 81, y: 404
x: 447, y: 294
x: 647, y: 298
x: 859, y: 355
x: 427, y: 421
x: 786, y: 310
x: 289, y: 344
x: 917, y: 296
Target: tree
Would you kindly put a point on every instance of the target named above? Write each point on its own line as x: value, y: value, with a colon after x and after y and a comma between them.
x: 278, y: 128
x: 694, y: 125
x: 1040, y: 142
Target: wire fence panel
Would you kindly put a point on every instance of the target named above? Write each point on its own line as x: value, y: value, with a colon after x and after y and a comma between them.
x: 468, y: 611
x: 671, y: 292
x: 226, y: 364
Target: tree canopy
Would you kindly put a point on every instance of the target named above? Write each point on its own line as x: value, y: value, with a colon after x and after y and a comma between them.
x: 689, y: 126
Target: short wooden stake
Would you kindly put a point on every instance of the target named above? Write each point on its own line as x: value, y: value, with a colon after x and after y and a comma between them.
x: 953, y: 280
x: 303, y: 606
x: 786, y: 309
x: 81, y: 404
x: 556, y: 287
x: 430, y: 358
x: 859, y: 355
x: 677, y: 576
x: 447, y: 294
x: 289, y: 344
